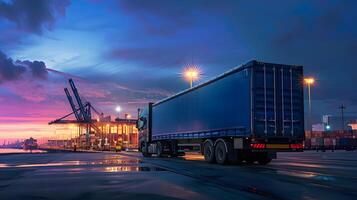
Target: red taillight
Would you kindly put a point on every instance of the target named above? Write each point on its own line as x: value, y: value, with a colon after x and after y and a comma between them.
x: 296, y: 146
x: 257, y: 146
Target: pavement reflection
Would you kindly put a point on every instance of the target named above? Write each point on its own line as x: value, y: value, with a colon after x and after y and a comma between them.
x: 131, y: 169
x: 304, y: 175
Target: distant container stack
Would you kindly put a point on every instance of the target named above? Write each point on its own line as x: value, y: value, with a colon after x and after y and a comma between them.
x: 331, y: 140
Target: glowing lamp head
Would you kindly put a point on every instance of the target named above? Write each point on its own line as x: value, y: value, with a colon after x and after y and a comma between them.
x: 309, y: 81
x: 118, y: 109
x: 192, y: 73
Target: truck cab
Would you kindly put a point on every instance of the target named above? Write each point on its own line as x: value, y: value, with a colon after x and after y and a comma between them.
x: 143, y: 125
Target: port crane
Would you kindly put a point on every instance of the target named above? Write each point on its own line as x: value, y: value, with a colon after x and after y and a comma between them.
x: 82, y: 112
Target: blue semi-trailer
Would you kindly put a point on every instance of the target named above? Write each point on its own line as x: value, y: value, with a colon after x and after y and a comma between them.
x: 247, y: 114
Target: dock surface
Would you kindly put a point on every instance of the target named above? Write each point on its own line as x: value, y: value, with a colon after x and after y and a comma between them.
x: 127, y: 175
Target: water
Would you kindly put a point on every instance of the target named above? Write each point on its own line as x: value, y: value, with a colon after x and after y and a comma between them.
x: 9, y: 151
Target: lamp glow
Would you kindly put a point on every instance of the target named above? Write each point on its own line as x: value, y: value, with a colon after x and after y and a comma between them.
x: 191, y: 74
x: 309, y: 81
x: 118, y: 109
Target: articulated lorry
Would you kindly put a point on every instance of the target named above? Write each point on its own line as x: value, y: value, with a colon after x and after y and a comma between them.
x: 247, y: 114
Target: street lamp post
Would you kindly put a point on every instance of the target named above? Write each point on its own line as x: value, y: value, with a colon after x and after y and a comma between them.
x: 342, y: 107
x: 309, y: 81
x: 118, y: 109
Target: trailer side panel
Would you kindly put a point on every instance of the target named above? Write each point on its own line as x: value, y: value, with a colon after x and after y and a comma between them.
x: 220, y: 108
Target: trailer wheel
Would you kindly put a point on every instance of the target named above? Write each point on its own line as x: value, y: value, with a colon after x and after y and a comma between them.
x: 221, y: 153
x: 208, y: 151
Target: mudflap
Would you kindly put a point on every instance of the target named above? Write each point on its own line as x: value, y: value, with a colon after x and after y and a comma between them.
x: 232, y: 154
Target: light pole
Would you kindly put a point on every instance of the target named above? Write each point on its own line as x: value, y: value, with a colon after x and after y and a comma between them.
x: 118, y: 109
x: 309, y: 81
x: 192, y: 73
x: 342, y: 107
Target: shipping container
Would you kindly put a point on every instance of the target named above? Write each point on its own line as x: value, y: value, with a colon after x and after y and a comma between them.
x: 328, y: 143
x: 252, y: 111
x: 347, y: 143
x: 307, y: 143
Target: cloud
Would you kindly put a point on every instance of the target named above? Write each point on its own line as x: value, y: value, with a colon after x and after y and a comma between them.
x: 10, y: 70
x: 150, y: 56
x: 38, y: 68
x: 326, y: 23
x: 33, y: 16
x: 159, y: 17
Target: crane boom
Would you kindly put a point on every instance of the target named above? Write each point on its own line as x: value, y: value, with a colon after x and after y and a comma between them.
x: 82, y: 112
x: 72, y: 104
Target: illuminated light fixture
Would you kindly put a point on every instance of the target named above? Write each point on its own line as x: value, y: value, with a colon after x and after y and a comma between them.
x: 296, y: 146
x: 192, y: 73
x: 309, y: 81
x: 328, y: 127
x: 118, y: 109
x: 257, y: 146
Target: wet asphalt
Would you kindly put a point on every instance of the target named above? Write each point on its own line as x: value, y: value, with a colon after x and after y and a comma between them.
x: 127, y: 175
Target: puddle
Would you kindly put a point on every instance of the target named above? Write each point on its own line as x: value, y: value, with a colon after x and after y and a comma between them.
x: 296, y: 164
x: 67, y: 163
x: 324, y: 178
x: 193, y: 157
x: 297, y: 174
x: 131, y: 169
x: 70, y: 163
x: 102, y: 169
x: 111, y: 162
x: 311, y: 175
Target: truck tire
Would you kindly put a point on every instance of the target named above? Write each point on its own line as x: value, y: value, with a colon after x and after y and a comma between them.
x: 159, y: 149
x: 208, y: 151
x: 221, y: 153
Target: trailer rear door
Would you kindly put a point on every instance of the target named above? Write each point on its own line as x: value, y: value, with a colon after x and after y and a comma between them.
x: 277, y: 101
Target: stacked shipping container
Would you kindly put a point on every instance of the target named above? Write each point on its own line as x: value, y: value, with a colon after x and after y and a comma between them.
x: 331, y: 140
